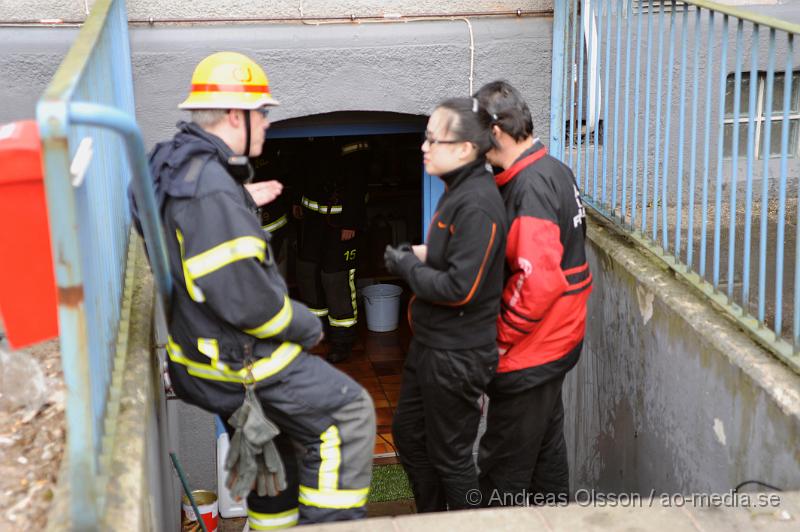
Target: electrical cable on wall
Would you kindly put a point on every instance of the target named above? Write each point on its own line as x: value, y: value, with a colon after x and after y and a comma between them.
x: 471, y: 52
x: 758, y: 482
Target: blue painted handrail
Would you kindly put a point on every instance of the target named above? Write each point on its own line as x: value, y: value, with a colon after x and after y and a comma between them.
x: 88, y: 101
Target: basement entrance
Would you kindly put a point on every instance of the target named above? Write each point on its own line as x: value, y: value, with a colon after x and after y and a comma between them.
x: 398, y: 202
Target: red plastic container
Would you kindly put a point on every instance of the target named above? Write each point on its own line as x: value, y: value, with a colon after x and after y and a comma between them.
x: 28, y: 297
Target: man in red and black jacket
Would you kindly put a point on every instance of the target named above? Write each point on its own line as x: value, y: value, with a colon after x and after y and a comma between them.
x: 543, y: 309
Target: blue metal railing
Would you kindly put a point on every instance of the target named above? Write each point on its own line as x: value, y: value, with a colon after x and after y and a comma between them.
x: 86, y: 122
x: 653, y: 184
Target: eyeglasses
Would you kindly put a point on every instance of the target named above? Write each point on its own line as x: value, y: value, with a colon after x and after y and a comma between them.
x: 263, y: 111
x: 431, y: 141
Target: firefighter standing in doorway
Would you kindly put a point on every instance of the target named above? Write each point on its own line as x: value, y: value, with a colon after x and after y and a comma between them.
x: 232, y: 325
x: 330, y: 207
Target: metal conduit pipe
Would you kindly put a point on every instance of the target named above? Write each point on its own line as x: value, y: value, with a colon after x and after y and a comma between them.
x: 353, y: 18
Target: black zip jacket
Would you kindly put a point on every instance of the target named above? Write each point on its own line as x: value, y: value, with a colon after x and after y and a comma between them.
x: 457, y: 290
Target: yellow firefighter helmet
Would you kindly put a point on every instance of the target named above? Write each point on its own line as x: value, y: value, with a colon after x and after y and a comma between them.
x: 228, y: 80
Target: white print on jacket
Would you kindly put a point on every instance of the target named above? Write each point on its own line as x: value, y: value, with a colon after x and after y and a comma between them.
x: 578, y: 218
x: 527, y: 269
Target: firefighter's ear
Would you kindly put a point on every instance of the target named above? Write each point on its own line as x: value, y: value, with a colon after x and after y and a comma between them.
x: 235, y: 117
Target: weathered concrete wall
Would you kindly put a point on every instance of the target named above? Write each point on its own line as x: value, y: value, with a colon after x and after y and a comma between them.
x: 75, y: 9
x: 28, y: 59
x: 670, y: 396
x: 404, y: 68
x: 400, y: 67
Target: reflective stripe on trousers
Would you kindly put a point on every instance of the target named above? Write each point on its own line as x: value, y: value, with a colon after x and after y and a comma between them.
x: 262, y: 521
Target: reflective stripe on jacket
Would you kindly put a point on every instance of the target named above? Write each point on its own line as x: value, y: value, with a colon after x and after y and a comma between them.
x: 229, y: 299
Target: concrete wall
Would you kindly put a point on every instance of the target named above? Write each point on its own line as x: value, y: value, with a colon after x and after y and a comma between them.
x: 142, y: 9
x: 670, y: 396
x: 404, y: 68
x: 28, y: 59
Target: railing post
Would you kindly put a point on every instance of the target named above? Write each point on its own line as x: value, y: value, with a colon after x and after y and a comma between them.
x: 80, y: 452
x: 557, y: 80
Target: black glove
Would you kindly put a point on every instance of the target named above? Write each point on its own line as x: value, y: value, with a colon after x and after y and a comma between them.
x: 393, y: 256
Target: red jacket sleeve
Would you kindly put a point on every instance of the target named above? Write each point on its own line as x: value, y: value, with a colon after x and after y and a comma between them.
x: 533, y: 254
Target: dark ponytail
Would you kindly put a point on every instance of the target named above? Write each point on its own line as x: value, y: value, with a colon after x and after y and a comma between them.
x: 470, y: 123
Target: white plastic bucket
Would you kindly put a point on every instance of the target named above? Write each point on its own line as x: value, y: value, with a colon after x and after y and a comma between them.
x: 382, y: 306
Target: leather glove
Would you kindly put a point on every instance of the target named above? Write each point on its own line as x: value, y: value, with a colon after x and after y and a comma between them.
x: 274, y: 467
x: 392, y: 256
x: 253, y: 461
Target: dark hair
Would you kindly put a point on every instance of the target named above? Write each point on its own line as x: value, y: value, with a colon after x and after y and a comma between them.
x: 471, y: 123
x: 507, y: 107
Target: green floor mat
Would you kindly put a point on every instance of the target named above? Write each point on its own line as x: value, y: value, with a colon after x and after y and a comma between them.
x: 389, y: 483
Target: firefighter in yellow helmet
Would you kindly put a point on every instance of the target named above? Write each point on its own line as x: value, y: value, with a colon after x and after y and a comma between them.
x: 232, y: 323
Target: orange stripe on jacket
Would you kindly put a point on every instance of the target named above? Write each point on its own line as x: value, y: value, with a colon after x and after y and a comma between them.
x: 480, y: 271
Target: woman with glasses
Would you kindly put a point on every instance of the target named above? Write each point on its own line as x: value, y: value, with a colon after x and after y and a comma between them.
x: 456, y: 278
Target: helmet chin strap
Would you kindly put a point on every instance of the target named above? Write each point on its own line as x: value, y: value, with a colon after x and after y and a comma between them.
x: 246, y: 132
x: 239, y: 165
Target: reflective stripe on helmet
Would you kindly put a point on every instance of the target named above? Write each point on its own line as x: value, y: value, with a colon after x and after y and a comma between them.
x: 215, y: 87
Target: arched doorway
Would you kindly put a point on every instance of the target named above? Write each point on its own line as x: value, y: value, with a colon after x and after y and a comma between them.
x: 401, y: 196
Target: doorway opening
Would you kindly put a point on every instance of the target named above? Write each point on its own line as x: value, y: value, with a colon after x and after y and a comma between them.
x: 394, y: 199
x: 385, y: 181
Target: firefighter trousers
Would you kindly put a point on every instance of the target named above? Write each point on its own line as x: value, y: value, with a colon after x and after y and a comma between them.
x: 436, y: 423
x: 523, y: 452
x: 326, y: 277
x: 329, y: 418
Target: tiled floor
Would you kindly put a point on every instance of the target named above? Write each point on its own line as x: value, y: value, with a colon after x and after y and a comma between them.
x: 377, y: 364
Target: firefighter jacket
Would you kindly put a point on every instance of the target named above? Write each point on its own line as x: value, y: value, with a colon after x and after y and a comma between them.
x: 332, y: 183
x: 547, y: 281
x: 457, y: 289
x: 272, y: 165
x: 229, y: 299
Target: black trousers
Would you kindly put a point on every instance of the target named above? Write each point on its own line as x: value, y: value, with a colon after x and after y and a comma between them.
x: 523, y: 451
x: 436, y: 423
x: 326, y: 274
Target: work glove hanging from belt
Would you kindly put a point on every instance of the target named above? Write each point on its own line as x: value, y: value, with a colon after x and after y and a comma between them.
x: 392, y: 256
x: 253, y: 461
